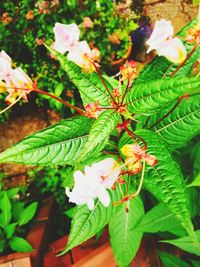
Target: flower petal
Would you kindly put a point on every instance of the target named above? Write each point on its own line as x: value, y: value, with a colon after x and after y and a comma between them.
x: 173, y: 50
x: 162, y: 31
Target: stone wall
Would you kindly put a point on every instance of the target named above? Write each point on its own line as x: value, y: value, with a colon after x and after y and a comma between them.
x: 180, y: 12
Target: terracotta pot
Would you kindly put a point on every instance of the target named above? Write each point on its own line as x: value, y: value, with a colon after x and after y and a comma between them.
x: 37, y: 237
x: 121, y: 61
x: 98, y: 253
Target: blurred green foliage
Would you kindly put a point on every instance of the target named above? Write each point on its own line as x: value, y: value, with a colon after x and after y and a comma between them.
x: 25, y: 24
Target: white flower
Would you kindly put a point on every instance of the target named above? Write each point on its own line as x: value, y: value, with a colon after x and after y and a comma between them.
x: 66, y: 37
x: 20, y: 79
x: 15, y: 79
x: 163, y: 42
x: 80, y: 54
x: 93, y: 183
x: 83, y: 56
x: 5, y: 66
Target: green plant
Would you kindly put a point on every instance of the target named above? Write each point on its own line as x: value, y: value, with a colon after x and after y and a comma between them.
x: 127, y: 141
x: 14, y: 215
x: 30, y: 23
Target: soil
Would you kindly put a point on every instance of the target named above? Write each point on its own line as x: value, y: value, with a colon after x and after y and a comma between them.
x: 24, y: 121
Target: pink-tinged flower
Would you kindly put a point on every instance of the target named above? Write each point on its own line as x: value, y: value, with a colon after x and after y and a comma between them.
x: 55, y: 3
x: 93, y: 110
x: 13, y: 79
x: 163, y: 42
x: 87, y: 22
x: 93, y: 183
x: 128, y: 71
x: 193, y: 34
x: 30, y: 15
x: 135, y: 155
x: 43, y: 7
x: 5, y: 66
x: 84, y: 57
x: 66, y: 37
x: 19, y: 80
x: 6, y: 19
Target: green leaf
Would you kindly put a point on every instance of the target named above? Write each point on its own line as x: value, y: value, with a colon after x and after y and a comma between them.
x: 160, y: 219
x: 124, y: 237
x: 89, y: 85
x: 61, y: 143
x: 165, y: 180
x: 170, y: 260
x: 147, y: 97
x: 186, y: 243
x: 86, y: 223
x: 70, y: 213
x: 20, y: 245
x: 5, y: 210
x: 12, y: 192
x: 181, y: 125
x: 194, y: 201
x: 196, y: 181
x: 10, y: 230
x: 17, y: 209
x: 2, y: 246
x: 195, y: 263
x: 100, y: 132
x: 28, y: 213
x: 160, y: 67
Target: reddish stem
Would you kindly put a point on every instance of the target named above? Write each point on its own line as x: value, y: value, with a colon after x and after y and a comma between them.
x: 186, y: 59
x: 169, y: 112
x: 35, y: 89
x: 146, y: 122
x: 126, y: 90
x: 135, y: 136
x: 103, y: 82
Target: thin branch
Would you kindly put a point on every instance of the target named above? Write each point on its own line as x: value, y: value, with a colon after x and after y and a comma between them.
x: 8, y: 107
x: 168, y: 113
x: 103, y: 82
x: 35, y: 89
x: 186, y: 59
x: 125, y: 92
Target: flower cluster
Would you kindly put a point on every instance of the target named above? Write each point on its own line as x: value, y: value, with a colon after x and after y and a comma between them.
x: 67, y: 40
x: 93, y: 183
x: 93, y: 110
x: 128, y: 71
x: 165, y: 44
x: 87, y: 22
x: 193, y: 35
x: 134, y: 157
x: 6, y: 19
x: 13, y: 79
x: 45, y: 7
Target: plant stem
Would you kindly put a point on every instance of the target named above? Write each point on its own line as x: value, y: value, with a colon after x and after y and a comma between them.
x: 126, y: 90
x: 78, y: 110
x: 186, y: 59
x: 103, y: 82
x: 8, y: 107
x: 135, y: 136
x: 146, y: 122
x: 168, y: 113
x: 140, y: 184
x: 35, y: 89
x: 128, y: 197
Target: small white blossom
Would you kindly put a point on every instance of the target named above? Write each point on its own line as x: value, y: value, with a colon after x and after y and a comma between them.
x: 5, y: 66
x: 66, y: 37
x: 93, y: 183
x: 163, y: 42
